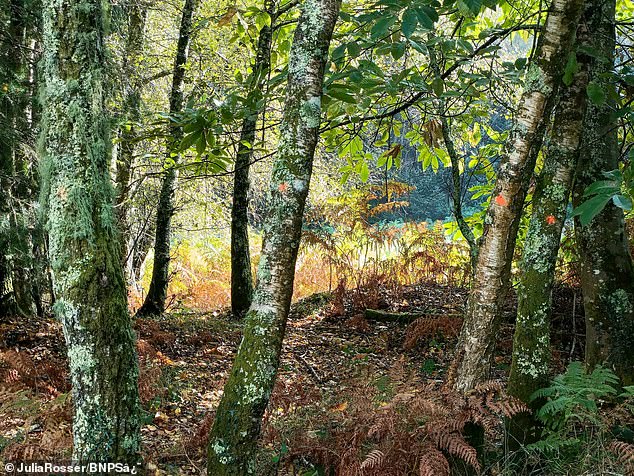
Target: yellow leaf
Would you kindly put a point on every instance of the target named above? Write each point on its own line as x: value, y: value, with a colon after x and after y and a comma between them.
x: 226, y: 18
x: 340, y: 408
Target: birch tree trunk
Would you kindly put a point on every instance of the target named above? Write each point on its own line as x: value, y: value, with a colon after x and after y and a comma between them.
x: 475, y: 348
x: 84, y: 252
x: 154, y: 303
x: 234, y: 436
x: 241, y: 276
x: 607, y: 276
x: 531, y: 343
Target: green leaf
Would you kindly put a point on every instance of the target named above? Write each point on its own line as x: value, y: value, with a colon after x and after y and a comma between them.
x: 438, y: 86
x: 262, y: 19
x: 571, y: 69
x: 596, y: 94
x: 189, y: 140
x: 364, y: 171
x: 397, y: 50
x: 469, y: 7
x: 623, y: 202
x: 342, y: 96
x: 427, y: 16
x: 354, y: 49
x: 339, y: 53
x: 591, y: 208
x: 604, y: 187
x: 382, y: 26
x: 410, y: 22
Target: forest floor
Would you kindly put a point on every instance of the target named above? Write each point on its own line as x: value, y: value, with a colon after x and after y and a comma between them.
x: 333, y: 358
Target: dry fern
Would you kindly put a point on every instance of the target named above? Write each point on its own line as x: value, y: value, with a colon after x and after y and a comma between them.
x: 433, y: 463
x: 374, y: 460
x: 625, y: 455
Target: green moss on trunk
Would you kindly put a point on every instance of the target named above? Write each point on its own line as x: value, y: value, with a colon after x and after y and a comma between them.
x: 607, y: 274
x: 234, y: 436
x: 472, y: 361
x: 83, y: 243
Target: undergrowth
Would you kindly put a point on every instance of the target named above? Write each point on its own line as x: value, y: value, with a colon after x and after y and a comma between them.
x: 394, y: 426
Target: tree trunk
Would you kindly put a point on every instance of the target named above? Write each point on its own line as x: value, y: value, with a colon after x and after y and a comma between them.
x: 83, y: 243
x: 14, y: 242
x: 531, y: 345
x: 475, y: 348
x: 607, y: 276
x: 233, y: 439
x: 154, y: 303
x: 131, y: 116
x: 241, y: 277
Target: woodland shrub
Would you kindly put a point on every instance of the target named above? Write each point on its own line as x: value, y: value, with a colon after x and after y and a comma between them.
x: 585, y: 415
x: 389, y: 426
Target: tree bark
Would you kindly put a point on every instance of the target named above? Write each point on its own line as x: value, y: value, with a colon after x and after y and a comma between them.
x: 241, y: 276
x: 131, y: 116
x: 84, y: 252
x: 154, y: 303
x: 234, y: 436
x: 475, y: 348
x: 607, y: 275
x: 531, y: 343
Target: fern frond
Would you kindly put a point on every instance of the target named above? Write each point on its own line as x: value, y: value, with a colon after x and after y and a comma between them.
x: 373, y: 460
x: 433, y: 463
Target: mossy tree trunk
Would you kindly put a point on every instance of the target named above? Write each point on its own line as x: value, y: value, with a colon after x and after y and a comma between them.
x: 476, y: 344
x: 234, y: 436
x: 83, y: 243
x: 130, y: 117
x: 531, y: 343
x: 154, y: 303
x: 241, y: 276
x: 607, y: 276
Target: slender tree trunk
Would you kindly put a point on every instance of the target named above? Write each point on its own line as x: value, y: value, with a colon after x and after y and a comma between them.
x: 531, y: 346
x: 131, y: 116
x: 83, y: 243
x: 456, y: 193
x: 18, y: 187
x: 155, y: 300
x: 234, y: 436
x: 475, y: 348
x: 607, y: 276
x: 241, y: 277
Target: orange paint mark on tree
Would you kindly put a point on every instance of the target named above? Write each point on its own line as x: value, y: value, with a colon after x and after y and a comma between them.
x: 283, y: 187
x: 500, y: 200
x: 550, y: 219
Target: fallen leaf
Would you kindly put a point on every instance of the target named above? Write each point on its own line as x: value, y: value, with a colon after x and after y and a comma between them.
x: 340, y: 408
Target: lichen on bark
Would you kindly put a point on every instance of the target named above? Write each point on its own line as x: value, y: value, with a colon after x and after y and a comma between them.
x: 607, y: 274
x: 234, y: 436
x: 474, y: 352
x: 83, y: 243
x: 531, y: 343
